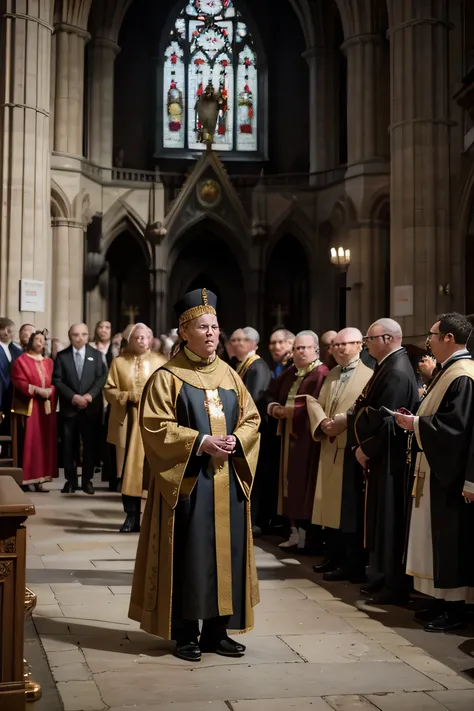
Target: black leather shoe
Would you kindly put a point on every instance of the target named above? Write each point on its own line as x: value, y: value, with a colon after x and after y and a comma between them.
x: 68, y: 488
x: 445, y: 623
x: 131, y: 525
x: 335, y: 576
x: 427, y: 615
x: 227, y: 647
x: 326, y: 567
x: 189, y: 651
x: 87, y: 488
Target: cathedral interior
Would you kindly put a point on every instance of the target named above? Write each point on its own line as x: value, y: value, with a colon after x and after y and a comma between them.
x: 342, y: 123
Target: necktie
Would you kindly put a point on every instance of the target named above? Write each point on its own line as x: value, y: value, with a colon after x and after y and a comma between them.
x: 78, y: 364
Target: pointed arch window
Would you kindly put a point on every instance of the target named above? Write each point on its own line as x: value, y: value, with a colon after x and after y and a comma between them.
x: 211, y: 42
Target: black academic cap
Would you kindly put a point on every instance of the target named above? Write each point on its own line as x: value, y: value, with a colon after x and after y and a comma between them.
x: 194, y: 304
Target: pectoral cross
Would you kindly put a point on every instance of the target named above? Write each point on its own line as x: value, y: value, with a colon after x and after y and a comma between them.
x: 131, y: 312
x: 280, y: 312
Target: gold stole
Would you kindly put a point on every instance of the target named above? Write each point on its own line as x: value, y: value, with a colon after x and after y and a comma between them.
x: 215, y: 409
x: 243, y: 368
x: 429, y: 406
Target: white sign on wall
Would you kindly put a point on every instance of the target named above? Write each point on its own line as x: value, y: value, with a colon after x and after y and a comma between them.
x: 403, y: 300
x: 31, y: 295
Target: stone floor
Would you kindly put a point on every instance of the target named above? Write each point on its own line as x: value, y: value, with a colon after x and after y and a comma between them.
x: 313, y: 648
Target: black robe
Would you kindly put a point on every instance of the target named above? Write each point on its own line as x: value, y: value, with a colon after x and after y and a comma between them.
x: 195, y: 568
x: 448, y: 444
x: 256, y: 380
x: 393, y: 385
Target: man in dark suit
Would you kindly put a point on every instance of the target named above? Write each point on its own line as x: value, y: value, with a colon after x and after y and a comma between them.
x: 9, y: 351
x: 79, y: 377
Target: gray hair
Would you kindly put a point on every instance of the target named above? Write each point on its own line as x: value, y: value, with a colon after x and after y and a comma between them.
x: 313, y: 336
x: 252, y: 334
x: 389, y: 326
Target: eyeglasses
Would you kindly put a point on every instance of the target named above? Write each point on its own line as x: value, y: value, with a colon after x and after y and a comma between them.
x: 346, y: 343
x: 374, y: 338
x: 430, y: 335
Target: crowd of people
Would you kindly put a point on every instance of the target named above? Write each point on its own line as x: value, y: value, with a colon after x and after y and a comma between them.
x: 366, y: 454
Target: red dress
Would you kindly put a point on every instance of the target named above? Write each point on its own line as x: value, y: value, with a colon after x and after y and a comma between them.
x: 34, y: 431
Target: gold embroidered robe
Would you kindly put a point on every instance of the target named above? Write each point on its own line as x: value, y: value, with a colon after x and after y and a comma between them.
x: 182, y: 402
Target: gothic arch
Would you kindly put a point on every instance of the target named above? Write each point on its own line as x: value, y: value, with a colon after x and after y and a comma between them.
x: 177, y: 240
x: 379, y: 208
x: 60, y: 205
x: 296, y: 223
x: 121, y: 217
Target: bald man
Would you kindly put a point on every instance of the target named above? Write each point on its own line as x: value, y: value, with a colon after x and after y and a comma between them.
x: 339, y: 502
x: 79, y: 377
x: 380, y: 448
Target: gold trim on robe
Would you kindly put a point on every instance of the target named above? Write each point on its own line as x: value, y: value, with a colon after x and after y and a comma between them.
x: 168, y: 448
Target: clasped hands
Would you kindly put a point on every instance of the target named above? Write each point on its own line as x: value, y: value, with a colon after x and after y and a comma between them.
x: 332, y: 427
x: 81, y: 401
x: 219, y: 446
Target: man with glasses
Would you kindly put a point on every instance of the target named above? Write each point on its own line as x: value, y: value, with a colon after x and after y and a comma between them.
x: 299, y: 453
x: 339, y: 502
x: 440, y: 553
x: 381, y: 451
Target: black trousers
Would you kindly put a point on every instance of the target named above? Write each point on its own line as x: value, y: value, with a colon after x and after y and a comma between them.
x: 131, y: 505
x: 76, y: 428
x: 215, y: 628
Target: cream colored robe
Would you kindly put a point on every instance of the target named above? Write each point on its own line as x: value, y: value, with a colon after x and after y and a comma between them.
x: 127, y: 377
x: 328, y: 497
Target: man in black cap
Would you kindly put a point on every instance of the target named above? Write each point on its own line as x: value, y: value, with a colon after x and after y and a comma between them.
x: 195, y: 554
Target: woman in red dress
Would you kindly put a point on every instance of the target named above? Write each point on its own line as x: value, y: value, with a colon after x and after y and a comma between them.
x: 34, y: 415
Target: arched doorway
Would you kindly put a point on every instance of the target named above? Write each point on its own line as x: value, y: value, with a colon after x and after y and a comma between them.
x: 287, y: 294
x: 202, y: 258
x: 129, y: 293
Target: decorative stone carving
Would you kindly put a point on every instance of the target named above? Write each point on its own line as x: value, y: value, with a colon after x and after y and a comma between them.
x: 8, y: 545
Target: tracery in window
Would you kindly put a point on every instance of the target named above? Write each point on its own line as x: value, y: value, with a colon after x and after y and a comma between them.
x: 210, y: 42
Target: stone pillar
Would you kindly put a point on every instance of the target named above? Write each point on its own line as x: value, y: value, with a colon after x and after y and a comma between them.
x: 68, y: 259
x: 323, y: 108
x: 420, y: 169
x: 103, y: 54
x: 25, y: 242
x: 69, y: 88
x: 367, y: 102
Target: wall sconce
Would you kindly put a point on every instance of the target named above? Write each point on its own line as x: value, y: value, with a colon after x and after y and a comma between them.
x: 444, y: 289
x: 340, y: 257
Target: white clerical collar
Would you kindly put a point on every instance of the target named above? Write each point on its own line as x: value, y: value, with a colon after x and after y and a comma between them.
x: 389, y: 354
x: 461, y: 353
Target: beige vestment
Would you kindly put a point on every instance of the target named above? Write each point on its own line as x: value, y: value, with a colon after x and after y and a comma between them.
x: 336, y: 397
x: 127, y: 377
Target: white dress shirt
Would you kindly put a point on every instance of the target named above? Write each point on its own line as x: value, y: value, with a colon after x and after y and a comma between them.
x: 7, y: 351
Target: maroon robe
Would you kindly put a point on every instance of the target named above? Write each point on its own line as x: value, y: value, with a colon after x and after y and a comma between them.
x: 35, y: 439
x: 301, y: 456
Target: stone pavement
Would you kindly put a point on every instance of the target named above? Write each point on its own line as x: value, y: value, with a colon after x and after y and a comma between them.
x: 312, y: 649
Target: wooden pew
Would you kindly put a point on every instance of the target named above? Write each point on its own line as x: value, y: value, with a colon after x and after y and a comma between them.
x: 15, y: 507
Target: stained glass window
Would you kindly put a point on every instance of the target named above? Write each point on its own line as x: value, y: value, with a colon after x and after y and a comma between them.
x: 210, y: 42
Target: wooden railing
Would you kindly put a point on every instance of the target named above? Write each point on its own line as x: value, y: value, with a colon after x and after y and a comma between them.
x: 15, y: 507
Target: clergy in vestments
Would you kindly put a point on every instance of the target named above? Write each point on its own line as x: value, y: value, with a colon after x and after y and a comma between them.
x: 256, y: 376
x: 339, y: 501
x: 381, y: 451
x: 123, y: 391
x: 440, y: 553
x: 299, y: 452
x: 195, y: 558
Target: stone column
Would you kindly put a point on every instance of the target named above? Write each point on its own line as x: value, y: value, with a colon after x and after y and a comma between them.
x: 69, y: 88
x: 68, y: 259
x: 103, y: 54
x: 323, y: 107
x: 420, y: 169
x: 25, y: 242
x: 367, y: 102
